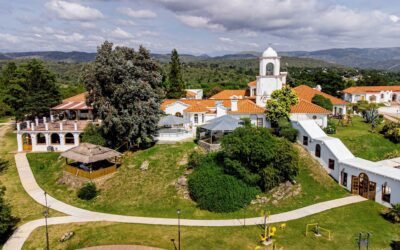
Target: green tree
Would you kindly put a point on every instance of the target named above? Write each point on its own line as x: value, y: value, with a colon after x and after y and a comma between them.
x: 258, y: 158
x: 322, y: 101
x: 279, y: 105
x: 7, y: 221
x: 92, y: 134
x: 125, y: 91
x: 176, y: 86
x: 31, y: 89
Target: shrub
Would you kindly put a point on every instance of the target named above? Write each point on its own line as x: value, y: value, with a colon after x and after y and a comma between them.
x: 218, y: 192
x: 88, y: 191
x: 322, y: 102
x: 389, y: 126
x: 393, y: 214
x: 3, y: 165
x: 7, y: 221
x: 92, y: 134
x: 289, y: 133
x: 331, y: 127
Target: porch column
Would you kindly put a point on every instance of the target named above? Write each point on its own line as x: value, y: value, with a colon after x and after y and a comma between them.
x: 18, y: 126
x: 76, y: 139
x: 28, y: 124
x: 34, y: 141
x: 52, y: 118
x: 62, y: 140
x: 19, y: 142
x: 47, y: 136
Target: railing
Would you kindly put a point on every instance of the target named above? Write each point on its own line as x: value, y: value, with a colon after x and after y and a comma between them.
x: 90, y: 174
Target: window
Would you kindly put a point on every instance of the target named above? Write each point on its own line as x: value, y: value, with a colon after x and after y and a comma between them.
x: 196, y: 118
x: 55, y: 139
x: 318, y: 151
x: 41, y: 139
x: 314, y: 117
x: 386, y: 191
x: 331, y: 164
x: 259, y: 122
x: 269, y: 69
x: 178, y: 114
x: 69, y: 139
x: 344, y: 179
x: 254, y: 92
x: 305, y: 140
x: 382, y: 96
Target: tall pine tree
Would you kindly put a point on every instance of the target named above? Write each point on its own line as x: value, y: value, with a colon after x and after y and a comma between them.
x: 30, y: 89
x: 176, y: 86
x: 125, y: 91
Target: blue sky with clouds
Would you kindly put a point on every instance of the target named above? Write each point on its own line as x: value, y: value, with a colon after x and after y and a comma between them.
x: 197, y: 27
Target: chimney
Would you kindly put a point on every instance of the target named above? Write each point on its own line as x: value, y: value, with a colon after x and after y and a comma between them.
x: 234, y: 104
x: 318, y: 87
x: 220, y: 108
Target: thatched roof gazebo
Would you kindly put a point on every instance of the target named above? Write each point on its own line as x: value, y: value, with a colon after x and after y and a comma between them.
x: 89, y: 153
x: 88, y: 157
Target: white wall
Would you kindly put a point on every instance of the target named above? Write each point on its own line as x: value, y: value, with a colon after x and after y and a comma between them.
x: 326, y: 154
x: 320, y: 119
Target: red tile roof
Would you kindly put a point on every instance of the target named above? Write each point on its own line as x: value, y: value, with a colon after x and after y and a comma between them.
x: 305, y: 107
x: 77, y: 102
x: 247, y: 107
x: 229, y: 93
x: 190, y: 93
x: 252, y: 84
x: 307, y: 93
x: 366, y: 89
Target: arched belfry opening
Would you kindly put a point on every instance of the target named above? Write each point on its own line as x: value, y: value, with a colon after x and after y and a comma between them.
x: 269, y: 69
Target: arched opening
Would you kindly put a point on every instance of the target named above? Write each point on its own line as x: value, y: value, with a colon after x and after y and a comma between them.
x: 364, y: 183
x: 26, y: 142
x: 73, y: 115
x: 318, y: 150
x: 178, y: 114
x: 269, y: 69
x: 372, y: 98
x: 69, y: 138
x: 394, y: 97
x: 55, y: 139
x: 362, y: 186
x: 40, y: 138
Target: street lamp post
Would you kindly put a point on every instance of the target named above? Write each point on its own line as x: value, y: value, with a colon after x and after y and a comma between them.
x: 178, y: 211
x: 46, y: 214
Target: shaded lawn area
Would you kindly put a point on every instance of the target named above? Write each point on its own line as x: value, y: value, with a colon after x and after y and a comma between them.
x: 152, y: 193
x: 344, y: 222
x: 363, y: 143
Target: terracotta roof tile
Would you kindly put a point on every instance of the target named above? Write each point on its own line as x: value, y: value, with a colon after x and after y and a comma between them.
x: 304, y: 107
x: 228, y: 94
x: 307, y: 93
x: 366, y: 89
x: 248, y: 107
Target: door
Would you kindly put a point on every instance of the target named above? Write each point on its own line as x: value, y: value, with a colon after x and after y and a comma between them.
x: 344, y: 179
x: 364, y: 185
x: 372, y: 190
x: 26, y: 142
x: 355, y: 184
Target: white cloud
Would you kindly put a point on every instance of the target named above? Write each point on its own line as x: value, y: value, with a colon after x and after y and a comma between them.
x: 394, y: 18
x: 73, y: 11
x: 225, y: 39
x: 137, y: 13
x: 200, y: 22
x: 120, y: 33
x: 70, y: 38
x: 9, y: 38
x: 125, y: 22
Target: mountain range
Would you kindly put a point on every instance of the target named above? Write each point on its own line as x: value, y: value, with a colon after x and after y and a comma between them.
x: 373, y: 58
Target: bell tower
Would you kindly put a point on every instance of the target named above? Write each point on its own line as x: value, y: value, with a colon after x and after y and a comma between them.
x: 270, y: 78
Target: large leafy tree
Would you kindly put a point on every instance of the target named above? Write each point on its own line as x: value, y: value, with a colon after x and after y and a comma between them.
x: 278, y: 107
x: 30, y: 89
x: 322, y: 101
x: 175, y: 85
x: 125, y: 91
x: 259, y: 159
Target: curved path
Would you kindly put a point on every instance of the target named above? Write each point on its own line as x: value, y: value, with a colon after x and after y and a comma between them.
x: 29, y: 183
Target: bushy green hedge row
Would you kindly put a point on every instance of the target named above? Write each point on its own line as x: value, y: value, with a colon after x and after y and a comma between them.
x: 218, y: 192
x: 391, y: 131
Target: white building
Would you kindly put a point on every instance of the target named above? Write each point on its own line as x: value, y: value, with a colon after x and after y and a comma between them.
x: 374, y: 94
x: 378, y: 181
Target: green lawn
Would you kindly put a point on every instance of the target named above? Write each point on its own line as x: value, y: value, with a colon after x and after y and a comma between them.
x: 5, y: 119
x: 344, y: 222
x: 153, y: 193
x: 23, y: 206
x: 363, y: 143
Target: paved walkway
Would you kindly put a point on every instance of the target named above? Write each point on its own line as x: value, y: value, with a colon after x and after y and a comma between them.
x: 81, y: 215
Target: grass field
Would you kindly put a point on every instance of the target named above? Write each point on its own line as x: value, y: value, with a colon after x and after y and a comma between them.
x: 23, y: 206
x: 363, y: 143
x: 153, y: 193
x: 345, y: 224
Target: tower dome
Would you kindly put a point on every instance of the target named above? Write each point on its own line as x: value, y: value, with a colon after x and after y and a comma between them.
x: 270, y: 52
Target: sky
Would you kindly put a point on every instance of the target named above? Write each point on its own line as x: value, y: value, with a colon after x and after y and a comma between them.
x: 212, y: 27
